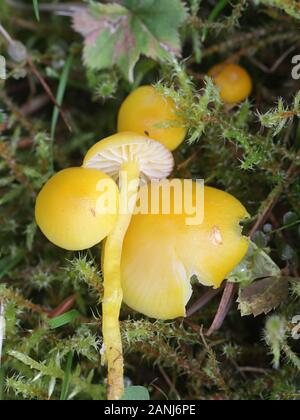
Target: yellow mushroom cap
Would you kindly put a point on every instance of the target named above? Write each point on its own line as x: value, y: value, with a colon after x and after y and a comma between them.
x: 234, y: 82
x: 161, y: 253
x: 77, y: 208
x: 110, y: 154
x: 144, y: 110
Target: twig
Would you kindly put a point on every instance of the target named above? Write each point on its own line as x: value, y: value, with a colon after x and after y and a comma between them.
x: 169, y: 382
x: 203, y: 301
x: 5, y: 35
x: 186, y: 162
x: 48, y: 91
x: 224, y: 307
x: 253, y: 48
x: 254, y: 370
x: 277, y: 63
x: 238, y: 39
x: 65, y: 306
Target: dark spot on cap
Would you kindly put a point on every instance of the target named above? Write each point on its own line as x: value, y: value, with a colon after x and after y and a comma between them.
x: 147, y: 133
x: 93, y: 212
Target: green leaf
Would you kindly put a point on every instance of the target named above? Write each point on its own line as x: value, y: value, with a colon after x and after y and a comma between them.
x: 36, y: 9
x: 60, y: 93
x: 136, y: 393
x: 263, y: 296
x: 118, y: 34
x: 256, y: 265
x: 64, y: 319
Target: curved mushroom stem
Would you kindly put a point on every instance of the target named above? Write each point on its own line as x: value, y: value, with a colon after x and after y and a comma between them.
x: 113, y: 295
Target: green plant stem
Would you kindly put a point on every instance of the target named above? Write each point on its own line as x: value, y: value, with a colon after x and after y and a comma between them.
x: 59, y: 97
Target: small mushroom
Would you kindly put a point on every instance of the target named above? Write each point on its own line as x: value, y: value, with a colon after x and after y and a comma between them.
x: 69, y: 209
x: 133, y: 159
x: 145, y: 111
x: 162, y: 252
x: 234, y: 82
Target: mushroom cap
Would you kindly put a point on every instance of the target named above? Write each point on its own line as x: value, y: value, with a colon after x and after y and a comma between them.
x: 72, y: 210
x: 144, y: 110
x: 110, y: 154
x: 161, y: 253
x: 234, y: 82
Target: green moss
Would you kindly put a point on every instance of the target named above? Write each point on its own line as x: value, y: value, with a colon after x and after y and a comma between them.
x: 250, y: 150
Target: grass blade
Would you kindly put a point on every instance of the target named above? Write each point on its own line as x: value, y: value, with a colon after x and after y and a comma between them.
x: 66, y: 381
x: 60, y: 94
x: 36, y: 9
x: 64, y: 319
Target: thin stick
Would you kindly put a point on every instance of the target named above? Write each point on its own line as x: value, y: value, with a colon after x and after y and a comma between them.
x: 277, y: 63
x: 5, y: 35
x: 224, y: 307
x: 65, y: 306
x: 48, y: 91
x: 254, y: 370
x: 203, y: 301
x: 169, y: 382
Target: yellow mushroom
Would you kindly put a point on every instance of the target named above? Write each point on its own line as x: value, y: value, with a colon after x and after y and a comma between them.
x: 70, y: 210
x: 234, y: 82
x: 145, y: 110
x: 162, y: 252
x: 132, y: 159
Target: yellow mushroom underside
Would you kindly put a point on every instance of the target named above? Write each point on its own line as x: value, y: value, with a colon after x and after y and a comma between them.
x: 161, y: 253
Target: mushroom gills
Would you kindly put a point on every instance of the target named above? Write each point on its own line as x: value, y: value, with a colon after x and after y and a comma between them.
x: 152, y: 158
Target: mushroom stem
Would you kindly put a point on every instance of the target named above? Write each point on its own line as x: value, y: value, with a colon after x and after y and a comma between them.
x: 113, y: 294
